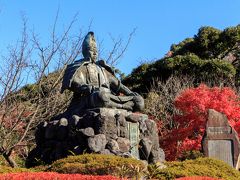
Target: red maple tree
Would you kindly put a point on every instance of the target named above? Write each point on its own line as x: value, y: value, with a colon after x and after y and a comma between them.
x: 193, y: 105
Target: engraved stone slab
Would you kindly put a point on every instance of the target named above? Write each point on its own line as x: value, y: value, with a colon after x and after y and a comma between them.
x: 221, y: 149
x: 133, y: 130
x: 219, y: 130
x: 221, y: 140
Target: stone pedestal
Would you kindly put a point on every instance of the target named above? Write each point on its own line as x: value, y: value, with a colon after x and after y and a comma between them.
x: 221, y: 140
x: 100, y: 130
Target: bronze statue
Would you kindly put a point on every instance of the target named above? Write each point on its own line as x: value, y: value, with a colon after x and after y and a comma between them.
x: 94, y: 83
x: 86, y: 126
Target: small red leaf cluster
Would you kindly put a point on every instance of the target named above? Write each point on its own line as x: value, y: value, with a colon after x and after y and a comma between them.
x: 193, y: 104
x: 197, y: 178
x: 52, y: 176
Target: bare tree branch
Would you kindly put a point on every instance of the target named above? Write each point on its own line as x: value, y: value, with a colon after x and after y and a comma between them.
x: 118, y: 49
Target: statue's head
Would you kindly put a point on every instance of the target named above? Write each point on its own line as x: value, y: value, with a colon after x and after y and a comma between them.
x: 89, y: 47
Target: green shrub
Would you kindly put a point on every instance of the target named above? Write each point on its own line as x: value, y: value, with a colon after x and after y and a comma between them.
x: 7, y: 169
x: 2, y: 161
x: 199, y: 167
x: 97, y: 164
x: 193, y: 154
x: 40, y: 168
x: 20, y: 161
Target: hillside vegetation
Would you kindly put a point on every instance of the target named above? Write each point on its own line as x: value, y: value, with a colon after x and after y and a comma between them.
x: 211, y: 54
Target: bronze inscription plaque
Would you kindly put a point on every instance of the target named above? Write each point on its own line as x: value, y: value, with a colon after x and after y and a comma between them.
x: 134, y: 138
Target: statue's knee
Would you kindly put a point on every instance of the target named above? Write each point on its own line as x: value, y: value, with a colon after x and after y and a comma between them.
x: 138, y: 103
x: 104, y: 97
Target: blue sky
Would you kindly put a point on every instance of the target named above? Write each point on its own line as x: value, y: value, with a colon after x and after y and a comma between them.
x: 159, y: 23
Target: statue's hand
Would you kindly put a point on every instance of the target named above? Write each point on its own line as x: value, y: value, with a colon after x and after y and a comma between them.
x: 86, y: 90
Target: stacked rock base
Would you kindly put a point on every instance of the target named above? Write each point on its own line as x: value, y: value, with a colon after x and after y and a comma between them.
x: 101, y: 130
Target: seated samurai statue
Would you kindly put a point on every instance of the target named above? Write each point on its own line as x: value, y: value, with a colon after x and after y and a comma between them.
x: 95, y: 85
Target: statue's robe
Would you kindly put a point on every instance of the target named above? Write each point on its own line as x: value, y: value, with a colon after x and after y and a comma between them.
x: 85, y: 73
x: 95, y: 85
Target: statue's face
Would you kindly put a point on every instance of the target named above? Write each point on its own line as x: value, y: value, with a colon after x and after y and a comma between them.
x: 94, y: 55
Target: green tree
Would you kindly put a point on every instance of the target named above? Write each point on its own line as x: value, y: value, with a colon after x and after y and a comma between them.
x: 211, y: 54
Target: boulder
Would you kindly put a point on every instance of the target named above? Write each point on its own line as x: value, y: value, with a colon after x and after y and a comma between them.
x: 87, y: 132
x: 97, y: 143
x: 124, y: 144
x: 112, y: 145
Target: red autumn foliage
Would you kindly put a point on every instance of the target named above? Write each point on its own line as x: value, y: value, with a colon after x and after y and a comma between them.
x: 11, y: 120
x: 193, y: 104
x: 197, y: 178
x: 52, y: 176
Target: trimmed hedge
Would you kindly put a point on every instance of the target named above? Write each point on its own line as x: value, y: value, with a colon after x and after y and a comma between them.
x: 197, y: 178
x: 200, y: 167
x: 190, y: 155
x: 53, y: 176
x: 98, y: 164
x: 7, y: 169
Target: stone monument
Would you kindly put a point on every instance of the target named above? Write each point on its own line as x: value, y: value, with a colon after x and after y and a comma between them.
x: 221, y: 140
x: 103, y: 116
